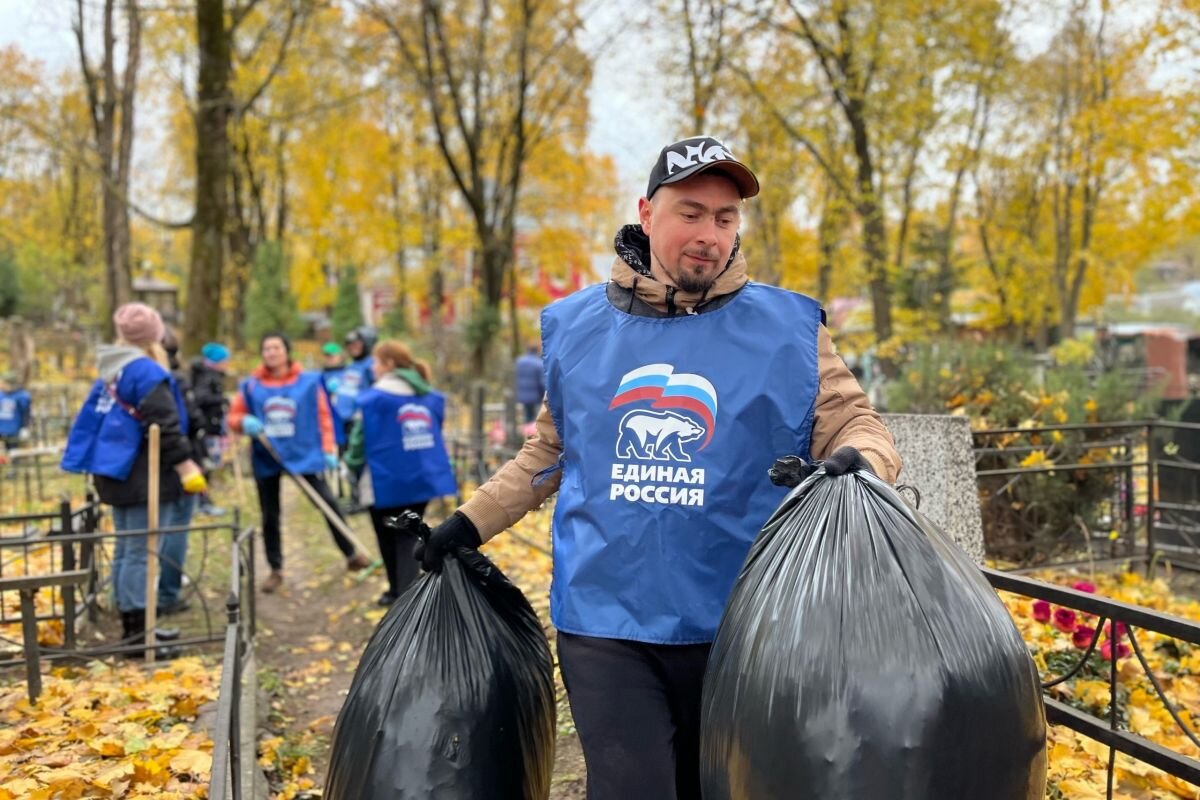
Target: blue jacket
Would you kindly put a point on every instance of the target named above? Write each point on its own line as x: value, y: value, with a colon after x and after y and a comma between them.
x: 108, y: 436
x: 14, y: 412
x: 405, y: 451
x: 530, y: 379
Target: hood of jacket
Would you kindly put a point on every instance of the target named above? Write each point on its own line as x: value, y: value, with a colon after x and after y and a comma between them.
x: 405, y: 382
x: 112, y: 358
x: 631, y: 270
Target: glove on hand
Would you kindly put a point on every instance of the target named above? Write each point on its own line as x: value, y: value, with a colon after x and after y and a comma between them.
x: 846, y: 459
x: 790, y: 471
x: 457, y: 531
x: 251, y: 425
x: 331, y: 461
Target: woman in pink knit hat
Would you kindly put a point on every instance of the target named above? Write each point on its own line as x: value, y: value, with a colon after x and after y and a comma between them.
x: 108, y: 441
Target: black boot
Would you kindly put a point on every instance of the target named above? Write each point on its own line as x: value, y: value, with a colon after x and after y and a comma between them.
x: 133, y: 624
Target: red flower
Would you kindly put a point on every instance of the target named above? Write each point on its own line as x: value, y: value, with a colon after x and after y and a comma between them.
x: 1041, y: 611
x: 1106, y: 650
x: 1082, y: 637
x: 1084, y: 586
x: 1120, y: 630
x: 1064, y: 619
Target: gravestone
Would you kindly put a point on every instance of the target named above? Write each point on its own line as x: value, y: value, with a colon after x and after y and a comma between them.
x: 940, y: 462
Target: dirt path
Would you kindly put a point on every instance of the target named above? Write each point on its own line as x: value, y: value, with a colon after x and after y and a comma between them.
x: 312, y: 632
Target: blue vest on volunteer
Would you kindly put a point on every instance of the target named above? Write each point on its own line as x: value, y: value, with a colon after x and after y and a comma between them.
x: 669, y: 426
x: 290, y: 418
x: 106, y: 435
x: 405, y: 450
x: 14, y: 412
x: 356, y: 379
x: 330, y: 380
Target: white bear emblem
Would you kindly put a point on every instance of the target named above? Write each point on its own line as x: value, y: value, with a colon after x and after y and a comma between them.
x: 656, y: 436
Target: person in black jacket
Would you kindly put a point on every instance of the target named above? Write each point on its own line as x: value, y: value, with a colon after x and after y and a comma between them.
x: 208, y: 390
x: 108, y: 440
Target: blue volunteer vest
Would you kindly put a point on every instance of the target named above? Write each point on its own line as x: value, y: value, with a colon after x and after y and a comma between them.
x: 404, y: 447
x: 355, y: 380
x: 14, y: 412
x: 289, y: 416
x: 341, y: 411
x: 669, y: 426
x: 106, y: 435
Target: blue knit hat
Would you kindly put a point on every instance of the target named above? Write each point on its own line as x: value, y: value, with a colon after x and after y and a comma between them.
x: 214, y: 352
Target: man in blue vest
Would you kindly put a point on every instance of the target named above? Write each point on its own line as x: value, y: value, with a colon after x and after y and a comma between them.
x: 355, y: 379
x: 670, y: 391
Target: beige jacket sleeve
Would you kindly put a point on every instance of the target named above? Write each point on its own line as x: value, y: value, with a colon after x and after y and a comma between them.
x: 843, y: 416
x: 510, y: 494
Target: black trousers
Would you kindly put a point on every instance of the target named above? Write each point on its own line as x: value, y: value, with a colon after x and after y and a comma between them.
x: 396, y: 546
x: 268, y: 501
x: 637, y: 710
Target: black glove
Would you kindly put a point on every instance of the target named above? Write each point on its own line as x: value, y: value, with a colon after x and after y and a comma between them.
x: 790, y: 471
x: 846, y: 459
x: 457, y: 531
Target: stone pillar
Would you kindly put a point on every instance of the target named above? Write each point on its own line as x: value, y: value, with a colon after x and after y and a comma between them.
x: 939, y: 461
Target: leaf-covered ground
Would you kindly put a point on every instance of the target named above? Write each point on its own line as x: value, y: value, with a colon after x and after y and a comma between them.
x: 109, y: 730
x: 1058, y: 637
x: 118, y: 730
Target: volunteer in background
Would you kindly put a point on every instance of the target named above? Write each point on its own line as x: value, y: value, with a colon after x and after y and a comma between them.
x: 289, y: 406
x: 208, y: 385
x: 397, y: 436
x: 108, y: 440
x: 15, y: 408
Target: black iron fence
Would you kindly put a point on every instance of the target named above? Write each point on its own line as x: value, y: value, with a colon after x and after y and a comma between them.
x: 45, y: 544
x: 226, y: 777
x: 1058, y: 493
x: 53, y: 544
x: 1119, y: 622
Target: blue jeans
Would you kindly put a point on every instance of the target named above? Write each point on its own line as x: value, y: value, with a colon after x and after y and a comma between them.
x: 129, y: 560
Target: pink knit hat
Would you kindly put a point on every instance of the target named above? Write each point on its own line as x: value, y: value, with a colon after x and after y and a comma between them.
x: 138, y: 324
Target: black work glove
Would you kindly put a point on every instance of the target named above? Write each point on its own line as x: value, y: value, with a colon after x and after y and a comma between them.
x: 846, y: 459
x: 790, y: 471
x: 457, y: 531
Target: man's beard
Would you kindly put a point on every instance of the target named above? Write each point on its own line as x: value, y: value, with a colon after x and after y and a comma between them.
x: 693, y: 281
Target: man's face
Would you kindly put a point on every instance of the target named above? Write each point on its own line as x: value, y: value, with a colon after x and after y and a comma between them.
x: 692, y: 226
x: 355, y: 348
x: 333, y: 360
x: 274, y: 354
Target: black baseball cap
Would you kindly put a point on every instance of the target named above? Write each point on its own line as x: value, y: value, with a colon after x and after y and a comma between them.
x: 688, y: 157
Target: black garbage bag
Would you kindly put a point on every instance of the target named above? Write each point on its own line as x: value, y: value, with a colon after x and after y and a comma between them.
x: 863, y: 655
x: 453, y: 698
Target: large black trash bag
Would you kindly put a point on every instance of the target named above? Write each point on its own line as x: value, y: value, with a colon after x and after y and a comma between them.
x: 863, y: 655
x: 453, y: 698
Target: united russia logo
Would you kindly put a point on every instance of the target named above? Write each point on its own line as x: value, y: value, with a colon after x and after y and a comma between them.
x: 669, y: 389
x: 672, y: 413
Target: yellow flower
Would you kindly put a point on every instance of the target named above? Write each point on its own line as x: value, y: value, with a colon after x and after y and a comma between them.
x: 1090, y: 406
x: 1060, y: 416
x: 1037, y: 459
x: 1056, y: 436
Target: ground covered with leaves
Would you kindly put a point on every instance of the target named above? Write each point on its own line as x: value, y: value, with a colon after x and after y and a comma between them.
x: 117, y: 729
x: 1059, y: 638
x: 109, y: 730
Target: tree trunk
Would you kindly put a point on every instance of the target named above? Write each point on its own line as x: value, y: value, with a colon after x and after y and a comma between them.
x: 202, y: 320
x: 114, y: 145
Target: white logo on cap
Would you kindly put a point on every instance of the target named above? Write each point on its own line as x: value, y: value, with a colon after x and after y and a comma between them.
x: 694, y: 155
